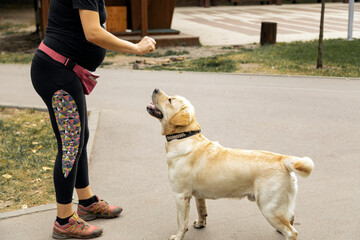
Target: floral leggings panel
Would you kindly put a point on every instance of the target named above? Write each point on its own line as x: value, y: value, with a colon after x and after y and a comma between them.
x: 68, y: 121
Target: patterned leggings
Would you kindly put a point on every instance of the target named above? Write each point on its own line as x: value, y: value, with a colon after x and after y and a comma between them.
x: 63, y: 95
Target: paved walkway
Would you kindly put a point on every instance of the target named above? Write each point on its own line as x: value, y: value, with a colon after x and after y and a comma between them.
x: 231, y: 25
x: 316, y: 117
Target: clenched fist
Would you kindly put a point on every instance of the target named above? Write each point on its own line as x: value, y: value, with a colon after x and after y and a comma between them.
x: 147, y: 44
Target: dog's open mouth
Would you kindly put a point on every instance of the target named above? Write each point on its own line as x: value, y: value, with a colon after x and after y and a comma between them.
x: 154, y: 111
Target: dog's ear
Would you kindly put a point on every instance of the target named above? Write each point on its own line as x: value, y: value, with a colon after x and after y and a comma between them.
x: 181, y: 118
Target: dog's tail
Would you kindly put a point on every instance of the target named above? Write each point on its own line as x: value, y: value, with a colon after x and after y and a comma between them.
x: 301, y: 166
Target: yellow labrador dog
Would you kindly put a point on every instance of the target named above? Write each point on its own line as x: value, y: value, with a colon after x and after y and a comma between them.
x: 206, y: 170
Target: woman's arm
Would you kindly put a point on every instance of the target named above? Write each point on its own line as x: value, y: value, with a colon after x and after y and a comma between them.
x: 94, y: 33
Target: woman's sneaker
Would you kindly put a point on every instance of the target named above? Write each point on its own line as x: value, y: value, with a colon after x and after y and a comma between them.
x: 76, y: 228
x: 99, y: 209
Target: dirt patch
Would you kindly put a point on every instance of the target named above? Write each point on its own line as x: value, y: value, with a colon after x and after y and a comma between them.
x: 138, y: 62
x: 18, y: 31
x: 25, y: 42
x: 25, y: 16
x: 18, y: 35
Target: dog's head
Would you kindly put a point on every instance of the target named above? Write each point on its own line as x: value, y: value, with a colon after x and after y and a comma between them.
x: 176, y: 113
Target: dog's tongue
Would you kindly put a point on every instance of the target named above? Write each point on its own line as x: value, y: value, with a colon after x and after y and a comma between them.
x: 151, y: 105
x: 155, y: 110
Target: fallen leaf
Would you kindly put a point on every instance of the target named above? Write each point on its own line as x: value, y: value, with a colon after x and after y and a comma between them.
x: 24, y: 206
x: 33, y: 150
x: 46, y: 168
x: 35, y: 143
x: 7, y: 176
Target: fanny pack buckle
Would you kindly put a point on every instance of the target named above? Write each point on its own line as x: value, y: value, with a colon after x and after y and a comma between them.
x: 70, y: 64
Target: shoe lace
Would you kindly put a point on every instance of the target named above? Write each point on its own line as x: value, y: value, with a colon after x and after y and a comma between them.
x: 82, y: 224
x: 104, y: 205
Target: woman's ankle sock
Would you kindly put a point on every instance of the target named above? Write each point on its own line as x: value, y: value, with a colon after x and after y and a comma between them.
x: 63, y: 221
x: 88, y: 202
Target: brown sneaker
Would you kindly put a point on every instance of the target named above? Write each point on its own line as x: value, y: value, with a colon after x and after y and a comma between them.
x: 76, y: 228
x: 99, y: 209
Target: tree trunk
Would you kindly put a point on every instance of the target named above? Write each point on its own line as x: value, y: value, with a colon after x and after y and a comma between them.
x: 321, y: 36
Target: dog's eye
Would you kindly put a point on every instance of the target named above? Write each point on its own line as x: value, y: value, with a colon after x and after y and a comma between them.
x: 170, y: 100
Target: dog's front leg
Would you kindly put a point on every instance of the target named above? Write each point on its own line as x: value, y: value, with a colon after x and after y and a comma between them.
x: 202, y: 213
x: 183, y: 206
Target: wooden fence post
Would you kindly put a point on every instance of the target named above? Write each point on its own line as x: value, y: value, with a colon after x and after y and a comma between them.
x: 144, y: 18
x: 268, y: 33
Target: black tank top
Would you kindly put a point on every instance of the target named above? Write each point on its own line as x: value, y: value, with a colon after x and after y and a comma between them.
x: 65, y: 35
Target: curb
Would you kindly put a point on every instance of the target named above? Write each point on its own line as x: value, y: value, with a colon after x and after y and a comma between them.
x: 93, y: 119
x: 265, y: 75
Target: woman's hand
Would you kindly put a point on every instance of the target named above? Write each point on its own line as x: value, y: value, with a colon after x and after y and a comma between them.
x: 147, y: 44
x: 96, y: 34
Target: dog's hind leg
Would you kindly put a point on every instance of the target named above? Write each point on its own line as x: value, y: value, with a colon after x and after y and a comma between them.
x: 282, y: 224
x: 183, y: 207
x: 202, y: 213
x: 277, y: 214
x: 276, y: 201
x: 292, y: 218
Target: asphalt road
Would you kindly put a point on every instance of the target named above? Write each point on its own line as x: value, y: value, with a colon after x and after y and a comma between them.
x: 303, y: 116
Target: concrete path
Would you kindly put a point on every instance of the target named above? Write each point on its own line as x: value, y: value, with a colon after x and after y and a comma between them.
x: 232, y: 25
x: 304, y: 116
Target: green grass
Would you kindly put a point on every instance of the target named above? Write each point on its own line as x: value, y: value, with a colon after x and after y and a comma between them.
x: 105, y: 63
x: 27, y: 154
x: 16, y: 57
x: 7, y: 26
x: 341, y: 58
x: 12, y: 28
x: 210, y: 64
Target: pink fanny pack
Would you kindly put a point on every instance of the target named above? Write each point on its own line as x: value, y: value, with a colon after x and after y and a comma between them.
x: 87, y: 78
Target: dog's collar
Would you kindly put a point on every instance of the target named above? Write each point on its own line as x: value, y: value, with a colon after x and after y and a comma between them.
x: 181, y: 135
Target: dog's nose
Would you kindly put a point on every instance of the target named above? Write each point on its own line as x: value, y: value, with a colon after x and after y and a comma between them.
x: 156, y: 90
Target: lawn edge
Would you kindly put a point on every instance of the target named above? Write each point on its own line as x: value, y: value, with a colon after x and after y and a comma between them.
x: 93, y: 120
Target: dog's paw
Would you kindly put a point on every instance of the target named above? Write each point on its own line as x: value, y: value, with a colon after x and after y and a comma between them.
x: 173, y: 237
x: 199, y: 224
